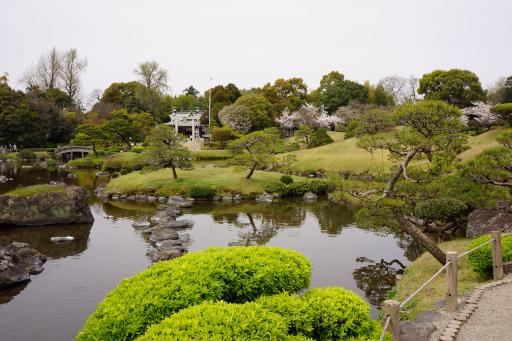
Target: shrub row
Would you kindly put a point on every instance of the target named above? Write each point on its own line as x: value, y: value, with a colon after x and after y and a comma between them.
x: 235, y: 275
x: 298, y: 188
x: 201, y: 191
x: 480, y: 260
x: 321, y: 314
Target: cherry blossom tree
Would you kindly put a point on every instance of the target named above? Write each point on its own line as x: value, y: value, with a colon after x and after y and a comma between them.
x: 479, y: 114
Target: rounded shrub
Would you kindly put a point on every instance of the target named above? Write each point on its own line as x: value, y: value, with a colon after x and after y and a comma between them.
x: 234, y: 274
x: 440, y: 209
x: 339, y: 314
x: 220, y: 321
x: 480, y: 260
x: 324, y: 314
x: 319, y: 138
x: 286, y: 179
x: 201, y: 191
x: 26, y: 154
x: 137, y: 149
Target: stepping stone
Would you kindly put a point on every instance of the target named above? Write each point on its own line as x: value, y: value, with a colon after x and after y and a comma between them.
x: 446, y: 338
x: 141, y: 224
x: 163, y: 234
x: 451, y: 330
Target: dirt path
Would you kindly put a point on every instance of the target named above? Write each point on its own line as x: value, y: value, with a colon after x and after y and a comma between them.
x: 491, y: 320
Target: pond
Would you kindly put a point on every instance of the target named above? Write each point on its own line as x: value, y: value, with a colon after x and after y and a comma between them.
x: 55, y: 304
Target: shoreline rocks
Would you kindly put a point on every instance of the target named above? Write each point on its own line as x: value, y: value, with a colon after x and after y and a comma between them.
x: 17, y: 262
x: 310, y: 197
x: 482, y: 221
x: 68, y: 206
x: 266, y: 198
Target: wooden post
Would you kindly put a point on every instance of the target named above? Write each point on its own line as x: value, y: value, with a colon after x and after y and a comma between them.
x: 391, y: 308
x: 497, y: 258
x: 451, y: 281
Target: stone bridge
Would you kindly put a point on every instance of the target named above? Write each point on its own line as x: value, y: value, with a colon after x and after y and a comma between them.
x: 72, y: 152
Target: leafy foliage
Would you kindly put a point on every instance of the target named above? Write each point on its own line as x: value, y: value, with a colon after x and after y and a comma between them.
x: 504, y: 111
x: 480, y: 260
x: 260, y: 147
x: 261, y: 113
x: 286, y: 179
x: 319, y: 138
x: 335, y: 91
x: 298, y: 188
x: 440, y: 209
x: 234, y: 274
x: 455, y: 86
x: 201, y: 192
x: 220, y: 321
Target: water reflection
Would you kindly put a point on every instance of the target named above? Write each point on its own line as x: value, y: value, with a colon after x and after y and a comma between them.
x: 38, y: 237
x: 79, y: 274
x: 377, y: 278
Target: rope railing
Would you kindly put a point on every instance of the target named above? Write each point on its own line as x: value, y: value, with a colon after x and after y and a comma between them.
x: 392, y: 308
x: 384, y: 329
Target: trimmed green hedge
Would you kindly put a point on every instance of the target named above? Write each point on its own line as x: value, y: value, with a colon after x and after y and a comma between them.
x: 298, y: 188
x: 220, y: 321
x: 325, y: 314
x: 234, y: 274
x: 321, y: 314
x: 440, y: 209
x: 480, y: 260
x: 201, y: 191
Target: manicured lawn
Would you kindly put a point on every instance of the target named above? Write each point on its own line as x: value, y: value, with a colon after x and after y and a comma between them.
x: 212, y: 154
x: 344, y: 155
x: 341, y: 155
x: 480, y: 143
x: 424, y: 267
x: 224, y: 180
x: 35, y: 190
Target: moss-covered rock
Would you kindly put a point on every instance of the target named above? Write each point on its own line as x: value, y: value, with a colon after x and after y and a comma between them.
x: 45, y: 205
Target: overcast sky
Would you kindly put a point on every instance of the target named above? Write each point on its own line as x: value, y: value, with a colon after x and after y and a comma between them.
x: 250, y: 43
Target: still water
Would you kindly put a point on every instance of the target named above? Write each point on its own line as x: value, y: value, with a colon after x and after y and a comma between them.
x: 55, y: 304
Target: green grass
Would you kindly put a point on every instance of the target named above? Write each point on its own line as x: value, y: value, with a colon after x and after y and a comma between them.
x: 90, y: 161
x: 35, y: 190
x: 224, y: 180
x: 344, y: 155
x: 424, y: 267
x: 481, y: 142
x: 341, y: 155
x: 212, y: 154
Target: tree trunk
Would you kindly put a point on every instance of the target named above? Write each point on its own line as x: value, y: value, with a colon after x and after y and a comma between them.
x: 173, y: 167
x: 254, y: 164
x: 420, y: 237
x: 388, y: 192
x: 94, y: 150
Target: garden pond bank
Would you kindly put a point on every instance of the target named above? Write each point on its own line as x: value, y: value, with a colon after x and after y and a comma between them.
x: 55, y: 304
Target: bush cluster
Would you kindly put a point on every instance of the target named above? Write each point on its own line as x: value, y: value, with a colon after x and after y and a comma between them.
x: 201, y: 192
x: 321, y: 314
x: 319, y: 138
x: 480, y: 260
x: 234, y: 274
x: 286, y: 179
x: 298, y: 188
x: 26, y: 154
x: 440, y: 209
x: 220, y: 321
x: 137, y: 149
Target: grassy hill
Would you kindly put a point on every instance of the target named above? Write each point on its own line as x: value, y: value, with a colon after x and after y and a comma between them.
x: 344, y: 155
x: 224, y: 180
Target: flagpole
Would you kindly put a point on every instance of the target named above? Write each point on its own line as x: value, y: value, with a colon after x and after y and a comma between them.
x: 210, y: 109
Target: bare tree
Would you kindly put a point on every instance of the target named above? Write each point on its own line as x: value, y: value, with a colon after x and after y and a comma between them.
x: 46, y: 74
x: 152, y: 75
x: 402, y: 89
x: 412, y: 88
x: 71, y: 68
x: 396, y: 86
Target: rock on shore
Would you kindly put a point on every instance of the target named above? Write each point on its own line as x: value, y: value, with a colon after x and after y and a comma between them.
x: 62, y: 207
x: 17, y: 262
x: 483, y: 221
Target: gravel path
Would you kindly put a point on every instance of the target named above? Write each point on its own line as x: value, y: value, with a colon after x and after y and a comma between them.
x: 491, y: 320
